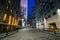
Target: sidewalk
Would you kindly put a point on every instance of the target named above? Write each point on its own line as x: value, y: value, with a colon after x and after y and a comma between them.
x: 3, y: 35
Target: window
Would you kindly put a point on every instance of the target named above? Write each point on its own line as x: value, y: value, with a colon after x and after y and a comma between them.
x: 49, y: 16
x: 52, y: 6
x: 46, y: 18
x: 44, y: 13
x: 54, y: 13
x: 0, y: 10
x: 51, y: 3
x: 10, y: 17
x: 5, y: 16
x: 48, y: 10
x: 47, y: 7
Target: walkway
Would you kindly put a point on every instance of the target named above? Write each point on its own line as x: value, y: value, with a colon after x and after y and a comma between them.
x: 30, y: 34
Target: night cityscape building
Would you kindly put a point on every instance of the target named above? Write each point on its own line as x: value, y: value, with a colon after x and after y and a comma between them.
x: 29, y: 19
x: 9, y: 15
x: 23, y: 6
x: 46, y: 14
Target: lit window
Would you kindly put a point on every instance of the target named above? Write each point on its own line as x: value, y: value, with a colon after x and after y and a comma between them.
x: 13, y: 21
x: 5, y: 15
x: 10, y: 17
x: 52, y: 27
x: 16, y: 22
x: 40, y: 3
x: 43, y: 3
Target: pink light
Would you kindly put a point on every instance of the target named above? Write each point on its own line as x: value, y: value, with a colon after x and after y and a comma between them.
x: 24, y: 7
x: 23, y: 3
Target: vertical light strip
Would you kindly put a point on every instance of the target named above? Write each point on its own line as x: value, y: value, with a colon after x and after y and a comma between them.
x: 13, y: 21
x: 5, y: 15
x: 26, y: 11
x: 26, y: 8
x: 10, y: 17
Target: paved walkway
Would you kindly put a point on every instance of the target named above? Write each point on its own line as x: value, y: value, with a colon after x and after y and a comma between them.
x: 31, y: 34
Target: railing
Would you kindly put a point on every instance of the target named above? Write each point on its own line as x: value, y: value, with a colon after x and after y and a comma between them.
x: 6, y: 29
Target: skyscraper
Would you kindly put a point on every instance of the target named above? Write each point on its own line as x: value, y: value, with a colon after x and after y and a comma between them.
x: 24, y: 11
x: 24, y: 8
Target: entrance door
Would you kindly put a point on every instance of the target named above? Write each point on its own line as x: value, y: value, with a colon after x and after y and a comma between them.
x: 52, y: 27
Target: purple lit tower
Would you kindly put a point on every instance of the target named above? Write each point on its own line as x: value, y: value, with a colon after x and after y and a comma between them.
x: 23, y: 6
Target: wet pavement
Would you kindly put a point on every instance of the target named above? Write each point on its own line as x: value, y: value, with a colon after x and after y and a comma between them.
x: 31, y: 34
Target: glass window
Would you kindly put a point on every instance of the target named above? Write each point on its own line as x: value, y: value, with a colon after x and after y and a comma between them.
x: 54, y: 13
x: 46, y: 17
x: 49, y: 16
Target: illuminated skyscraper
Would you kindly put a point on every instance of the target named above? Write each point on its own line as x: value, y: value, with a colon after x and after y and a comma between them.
x: 23, y: 6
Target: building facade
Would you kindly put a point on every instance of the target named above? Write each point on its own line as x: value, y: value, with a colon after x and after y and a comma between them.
x: 9, y: 14
x: 23, y: 6
x: 48, y: 15
x: 32, y: 18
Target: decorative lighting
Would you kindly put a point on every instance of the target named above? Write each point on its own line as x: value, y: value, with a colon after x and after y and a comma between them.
x: 10, y: 17
x: 5, y: 15
x: 40, y: 3
x: 58, y: 10
x: 50, y: 0
x: 52, y: 27
x: 13, y: 21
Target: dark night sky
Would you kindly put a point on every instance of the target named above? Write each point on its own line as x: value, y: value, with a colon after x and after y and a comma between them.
x: 30, y: 4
